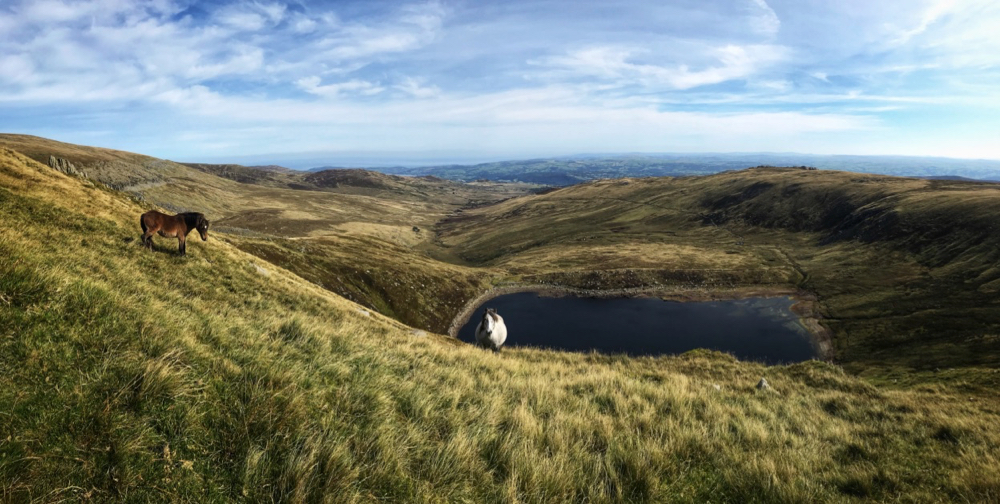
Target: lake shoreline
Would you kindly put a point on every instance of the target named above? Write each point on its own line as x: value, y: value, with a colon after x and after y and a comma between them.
x: 805, y: 306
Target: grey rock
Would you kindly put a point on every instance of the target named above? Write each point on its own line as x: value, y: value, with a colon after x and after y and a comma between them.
x: 763, y: 385
x: 63, y: 165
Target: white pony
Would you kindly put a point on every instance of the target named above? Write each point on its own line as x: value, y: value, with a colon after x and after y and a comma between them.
x: 491, y: 332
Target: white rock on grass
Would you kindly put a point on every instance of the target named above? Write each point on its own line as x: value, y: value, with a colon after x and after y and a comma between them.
x: 763, y: 385
x: 260, y: 269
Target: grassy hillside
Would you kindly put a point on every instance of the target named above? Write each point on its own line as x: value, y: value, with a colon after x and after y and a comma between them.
x: 382, y: 273
x: 142, y: 376
x: 904, y: 269
x: 358, y: 233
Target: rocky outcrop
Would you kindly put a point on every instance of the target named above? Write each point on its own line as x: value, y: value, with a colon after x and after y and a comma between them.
x: 65, y: 166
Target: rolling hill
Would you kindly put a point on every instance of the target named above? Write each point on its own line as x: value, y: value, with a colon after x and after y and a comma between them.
x: 225, y: 376
x: 569, y: 170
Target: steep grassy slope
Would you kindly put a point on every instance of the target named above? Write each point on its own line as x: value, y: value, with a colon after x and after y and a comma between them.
x: 354, y: 232
x: 112, y: 167
x: 142, y: 376
x: 905, y: 269
x: 381, y: 273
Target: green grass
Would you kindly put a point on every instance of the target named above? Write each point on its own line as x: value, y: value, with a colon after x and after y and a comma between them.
x: 138, y: 376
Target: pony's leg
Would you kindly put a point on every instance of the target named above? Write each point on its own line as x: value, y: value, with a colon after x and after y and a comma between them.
x: 147, y: 240
x: 181, y: 246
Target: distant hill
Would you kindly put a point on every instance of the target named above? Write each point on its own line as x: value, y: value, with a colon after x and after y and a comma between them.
x: 566, y: 171
x: 391, y: 169
x: 274, y: 168
x: 957, y: 178
x: 246, y: 174
x: 355, y: 178
x: 324, y: 168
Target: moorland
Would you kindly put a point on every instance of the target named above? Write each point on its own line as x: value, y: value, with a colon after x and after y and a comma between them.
x: 299, y: 354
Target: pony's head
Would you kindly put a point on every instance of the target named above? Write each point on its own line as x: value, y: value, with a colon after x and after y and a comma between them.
x: 202, y: 227
x: 489, y: 319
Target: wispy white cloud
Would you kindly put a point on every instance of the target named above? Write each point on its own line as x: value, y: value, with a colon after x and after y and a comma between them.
x: 16, y: 69
x: 363, y: 42
x: 122, y: 50
x: 251, y: 16
x: 962, y: 35
x: 415, y: 27
x: 619, y: 65
x: 55, y: 11
x: 417, y: 89
x: 242, y: 20
x: 932, y: 14
x: 303, y: 24
x: 356, y: 86
x: 765, y: 19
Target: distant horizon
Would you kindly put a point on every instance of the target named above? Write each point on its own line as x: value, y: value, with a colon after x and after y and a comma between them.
x: 396, y: 160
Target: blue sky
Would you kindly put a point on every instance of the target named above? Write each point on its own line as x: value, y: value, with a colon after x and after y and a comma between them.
x: 477, y: 80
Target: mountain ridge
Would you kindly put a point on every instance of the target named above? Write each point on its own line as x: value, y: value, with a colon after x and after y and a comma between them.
x: 568, y: 170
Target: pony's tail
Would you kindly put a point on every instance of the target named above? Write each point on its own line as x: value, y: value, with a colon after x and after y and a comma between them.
x: 142, y: 222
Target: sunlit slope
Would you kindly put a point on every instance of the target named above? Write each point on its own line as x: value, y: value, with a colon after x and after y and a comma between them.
x: 358, y: 233
x: 126, y: 374
x: 905, y: 269
x: 383, y: 273
x: 256, y: 207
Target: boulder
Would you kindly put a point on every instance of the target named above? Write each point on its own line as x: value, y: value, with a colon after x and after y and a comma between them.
x: 63, y: 165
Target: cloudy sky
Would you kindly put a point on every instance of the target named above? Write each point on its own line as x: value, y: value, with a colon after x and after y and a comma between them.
x: 211, y: 80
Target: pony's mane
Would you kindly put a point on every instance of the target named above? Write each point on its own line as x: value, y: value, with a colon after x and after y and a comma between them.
x: 191, y: 219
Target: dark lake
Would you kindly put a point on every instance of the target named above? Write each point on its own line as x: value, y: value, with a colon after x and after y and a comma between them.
x: 758, y: 329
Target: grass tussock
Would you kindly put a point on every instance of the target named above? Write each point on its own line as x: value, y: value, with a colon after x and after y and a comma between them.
x: 130, y: 375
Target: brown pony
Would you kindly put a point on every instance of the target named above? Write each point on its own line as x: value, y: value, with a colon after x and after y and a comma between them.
x: 171, y: 226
